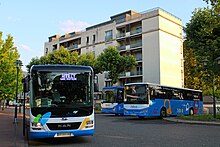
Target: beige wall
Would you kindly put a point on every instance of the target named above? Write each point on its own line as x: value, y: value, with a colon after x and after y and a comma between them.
x: 161, y: 46
x: 150, y: 57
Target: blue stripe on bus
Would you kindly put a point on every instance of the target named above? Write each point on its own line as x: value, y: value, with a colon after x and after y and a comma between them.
x: 177, y: 107
x: 51, y: 134
x: 118, y: 109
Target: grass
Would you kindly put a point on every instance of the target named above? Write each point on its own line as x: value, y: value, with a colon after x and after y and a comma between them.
x: 202, y: 117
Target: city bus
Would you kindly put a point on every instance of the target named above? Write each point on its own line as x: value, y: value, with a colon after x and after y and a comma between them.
x: 61, y: 101
x: 112, y: 100
x: 148, y: 99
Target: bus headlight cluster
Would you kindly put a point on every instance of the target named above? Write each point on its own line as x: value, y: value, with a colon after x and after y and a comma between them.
x: 36, y: 126
x: 125, y: 111
x: 89, y: 124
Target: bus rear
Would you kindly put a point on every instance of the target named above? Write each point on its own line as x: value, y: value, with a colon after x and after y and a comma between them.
x: 61, y: 101
x: 112, y: 100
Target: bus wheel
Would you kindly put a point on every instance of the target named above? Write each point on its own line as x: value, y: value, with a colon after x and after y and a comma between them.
x: 163, y: 112
x: 191, y: 112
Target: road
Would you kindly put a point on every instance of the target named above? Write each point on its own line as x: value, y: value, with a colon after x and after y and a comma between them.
x: 121, y: 131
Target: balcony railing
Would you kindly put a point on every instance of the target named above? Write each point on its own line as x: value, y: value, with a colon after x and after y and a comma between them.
x: 136, y: 73
x: 128, y: 74
x: 75, y: 46
x: 137, y: 44
x: 138, y: 58
x: 121, y: 47
x: 137, y: 31
x: 119, y: 35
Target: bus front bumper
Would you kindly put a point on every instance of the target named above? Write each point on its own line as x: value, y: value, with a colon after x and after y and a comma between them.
x: 67, y: 133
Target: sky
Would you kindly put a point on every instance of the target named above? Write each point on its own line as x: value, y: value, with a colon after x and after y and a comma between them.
x: 31, y: 22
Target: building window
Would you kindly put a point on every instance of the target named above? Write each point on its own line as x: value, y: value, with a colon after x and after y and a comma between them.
x: 46, y: 52
x: 108, y: 83
x: 87, y: 40
x: 54, y: 47
x: 139, y: 70
x: 108, y: 35
x: 93, y: 40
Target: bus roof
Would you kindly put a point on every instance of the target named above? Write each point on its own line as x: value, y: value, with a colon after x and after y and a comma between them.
x: 148, y: 83
x: 113, y: 87
x: 51, y: 67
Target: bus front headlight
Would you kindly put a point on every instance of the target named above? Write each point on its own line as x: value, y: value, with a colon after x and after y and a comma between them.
x: 36, y: 126
x: 89, y: 124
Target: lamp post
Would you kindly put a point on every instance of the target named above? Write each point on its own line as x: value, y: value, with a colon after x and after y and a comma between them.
x: 205, y: 62
x: 18, y: 64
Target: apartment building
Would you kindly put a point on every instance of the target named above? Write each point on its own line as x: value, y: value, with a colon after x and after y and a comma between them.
x: 154, y: 37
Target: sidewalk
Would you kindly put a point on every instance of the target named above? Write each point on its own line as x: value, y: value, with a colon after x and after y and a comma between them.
x: 11, y: 135
x: 174, y: 119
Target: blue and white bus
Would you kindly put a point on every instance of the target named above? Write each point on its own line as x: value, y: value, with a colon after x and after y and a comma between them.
x: 112, y: 100
x: 61, y: 101
x: 148, y: 99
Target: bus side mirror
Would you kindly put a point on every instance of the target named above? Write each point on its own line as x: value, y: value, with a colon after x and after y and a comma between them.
x: 25, y: 82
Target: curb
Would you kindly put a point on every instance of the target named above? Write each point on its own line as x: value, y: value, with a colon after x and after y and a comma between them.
x: 171, y: 119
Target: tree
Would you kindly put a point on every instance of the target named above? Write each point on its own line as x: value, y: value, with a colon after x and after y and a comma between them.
x: 8, y: 55
x: 61, y: 56
x: 110, y: 60
x: 203, y: 40
x: 88, y: 59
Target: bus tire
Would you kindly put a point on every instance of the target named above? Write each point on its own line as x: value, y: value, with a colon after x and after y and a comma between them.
x: 163, y: 112
x: 191, y: 112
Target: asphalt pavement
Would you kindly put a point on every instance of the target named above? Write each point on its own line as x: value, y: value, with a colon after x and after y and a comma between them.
x: 11, y: 132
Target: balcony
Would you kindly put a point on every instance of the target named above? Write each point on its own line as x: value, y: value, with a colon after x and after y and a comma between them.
x: 119, y: 48
x: 120, y: 35
x: 136, y: 73
x: 75, y: 46
x: 138, y: 59
x: 135, y: 45
x: 131, y: 74
x: 137, y: 31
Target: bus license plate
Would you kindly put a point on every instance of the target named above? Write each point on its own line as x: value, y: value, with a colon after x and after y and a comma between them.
x: 64, y: 134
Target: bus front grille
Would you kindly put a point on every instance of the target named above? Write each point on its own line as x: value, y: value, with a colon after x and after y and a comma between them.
x: 64, y: 126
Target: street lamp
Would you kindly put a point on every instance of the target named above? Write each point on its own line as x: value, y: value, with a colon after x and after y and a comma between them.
x: 18, y: 64
x: 205, y: 62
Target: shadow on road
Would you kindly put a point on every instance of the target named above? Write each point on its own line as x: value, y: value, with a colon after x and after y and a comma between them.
x: 136, y: 120
x: 59, y: 141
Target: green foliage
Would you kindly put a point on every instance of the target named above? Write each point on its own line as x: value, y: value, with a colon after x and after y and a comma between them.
x: 61, y: 56
x: 202, y: 42
x: 110, y: 60
x: 87, y: 59
x: 8, y: 55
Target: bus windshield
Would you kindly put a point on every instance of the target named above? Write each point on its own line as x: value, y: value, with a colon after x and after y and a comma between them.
x: 136, y: 94
x: 109, y: 95
x: 64, y: 89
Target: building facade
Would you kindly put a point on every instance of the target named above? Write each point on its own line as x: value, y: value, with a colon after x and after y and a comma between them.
x: 154, y: 37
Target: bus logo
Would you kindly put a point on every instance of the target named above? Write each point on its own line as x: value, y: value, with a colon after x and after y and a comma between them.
x: 133, y: 106
x: 74, y: 112
x: 64, y: 125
